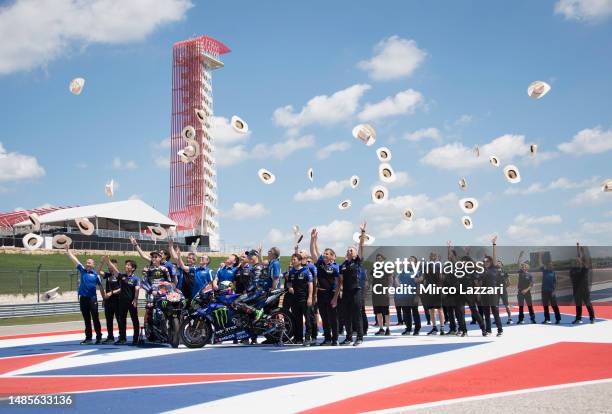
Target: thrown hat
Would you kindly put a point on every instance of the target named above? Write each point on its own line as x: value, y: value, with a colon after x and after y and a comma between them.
x: 297, y: 238
x: 512, y: 174
x: 61, y: 241
x: 379, y: 194
x: 158, y: 232
x: 109, y: 188
x: 607, y: 186
x: 192, y: 150
x: 266, y: 176
x: 310, y: 174
x: 32, y: 241
x: 368, y: 238
x: 383, y: 154
x: 538, y: 89
x: 344, y: 205
x: 200, y: 114
x: 468, y: 205
x: 183, y: 157
x: 35, y: 220
x: 365, y: 133
x: 408, y: 214
x: 533, y: 149
x: 85, y: 226
x: 188, y: 133
x: 494, y: 160
x: 296, y: 229
x: 76, y: 86
x: 385, y: 173
x: 477, y: 151
x: 467, y: 222
x: 50, y: 294
x: 239, y: 125
x: 354, y: 181
x: 463, y: 183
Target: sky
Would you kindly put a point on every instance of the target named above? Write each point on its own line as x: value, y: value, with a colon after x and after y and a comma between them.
x: 433, y: 78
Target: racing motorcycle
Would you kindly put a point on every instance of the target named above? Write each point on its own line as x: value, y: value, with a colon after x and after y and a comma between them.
x: 165, y: 315
x: 214, y: 313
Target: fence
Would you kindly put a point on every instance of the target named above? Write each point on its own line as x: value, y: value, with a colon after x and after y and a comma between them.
x: 46, y: 309
x: 36, y: 281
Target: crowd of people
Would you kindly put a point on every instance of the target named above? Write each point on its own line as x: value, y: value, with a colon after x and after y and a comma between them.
x: 320, y: 290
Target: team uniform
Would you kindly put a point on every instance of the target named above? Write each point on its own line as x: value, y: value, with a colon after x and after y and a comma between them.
x: 312, y: 330
x: 274, y: 273
x: 111, y: 305
x: 490, y: 301
x: 185, y: 284
x: 151, y: 280
x: 470, y: 280
x: 227, y: 274
x: 549, y: 285
x: 525, y: 280
x: 504, y: 280
x: 203, y: 276
x: 128, y: 284
x: 582, y: 295
x: 299, y: 279
x: 327, y: 283
x: 408, y: 303
x: 88, y: 301
x: 449, y: 302
x: 352, y: 298
x: 171, y: 270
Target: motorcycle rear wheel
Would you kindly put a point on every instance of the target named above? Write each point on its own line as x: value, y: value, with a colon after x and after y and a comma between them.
x: 285, y: 334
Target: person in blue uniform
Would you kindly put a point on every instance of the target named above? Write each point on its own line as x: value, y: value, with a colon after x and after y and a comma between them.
x: 127, y: 300
x: 226, y: 272
x: 328, y: 273
x: 351, y: 291
x: 274, y: 268
x: 185, y: 279
x: 549, y: 287
x: 579, y: 275
x: 523, y: 290
x: 300, y: 285
x: 89, y: 280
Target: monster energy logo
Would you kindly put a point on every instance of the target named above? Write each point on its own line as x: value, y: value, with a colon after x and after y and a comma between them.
x: 220, y: 316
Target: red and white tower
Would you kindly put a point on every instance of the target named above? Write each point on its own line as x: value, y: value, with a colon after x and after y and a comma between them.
x: 193, y: 187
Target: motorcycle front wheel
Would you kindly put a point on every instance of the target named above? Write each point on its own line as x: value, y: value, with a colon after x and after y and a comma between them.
x: 195, y: 332
x: 174, y: 332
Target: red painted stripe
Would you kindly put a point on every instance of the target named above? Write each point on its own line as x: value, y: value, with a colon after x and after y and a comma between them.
x: 64, y: 384
x: 14, y: 363
x: 561, y: 363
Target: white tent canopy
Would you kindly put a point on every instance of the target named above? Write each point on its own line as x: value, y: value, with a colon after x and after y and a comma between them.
x: 129, y: 214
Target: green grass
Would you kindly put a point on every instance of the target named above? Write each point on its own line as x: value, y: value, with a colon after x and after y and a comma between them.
x: 18, y: 272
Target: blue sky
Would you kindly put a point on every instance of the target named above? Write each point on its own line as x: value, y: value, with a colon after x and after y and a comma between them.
x: 434, y: 79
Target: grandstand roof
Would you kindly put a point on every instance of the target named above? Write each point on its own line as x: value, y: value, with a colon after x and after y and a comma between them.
x: 135, y: 211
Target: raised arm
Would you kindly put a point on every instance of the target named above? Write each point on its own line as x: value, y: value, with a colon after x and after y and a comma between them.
x: 494, y: 243
x: 362, y: 239
x: 520, y: 257
x: 172, y: 251
x: 450, y: 253
x: 179, y: 260
x: 72, y: 257
x: 111, y: 266
x: 314, y: 245
x: 139, y: 250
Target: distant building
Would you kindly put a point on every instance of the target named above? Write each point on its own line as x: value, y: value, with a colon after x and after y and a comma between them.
x: 193, y: 187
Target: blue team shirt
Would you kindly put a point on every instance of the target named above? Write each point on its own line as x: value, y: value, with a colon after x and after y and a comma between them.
x: 406, y: 279
x: 549, y: 280
x: 171, y: 269
x: 226, y: 274
x: 327, y: 274
x: 362, y: 277
x: 274, y: 271
x: 203, y: 276
x: 89, y: 280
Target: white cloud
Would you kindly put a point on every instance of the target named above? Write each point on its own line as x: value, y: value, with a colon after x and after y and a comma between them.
x: 395, y: 58
x: 328, y: 150
x: 230, y: 155
x: 432, y: 133
x: 15, y: 166
x: 41, y: 31
x: 524, y: 219
x: 244, y: 211
x: 525, y: 229
x: 591, y: 196
x: 401, y: 179
x: 402, y: 103
x: 586, y: 10
x: 588, y: 141
x: 135, y: 197
x: 282, y: 150
x: 463, y: 120
x: 558, y: 184
x: 597, y: 228
x: 276, y: 236
x: 457, y: 156
x: 81, y: 165
x: 416, y: 227
x: 421, y: 204
x: 163, y: 144
x: 329, y: 190
x: 223, y: 133
x: 322, y: 109
x: 123, y: 165
x: 162, y: 161
x: 337, y: 231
